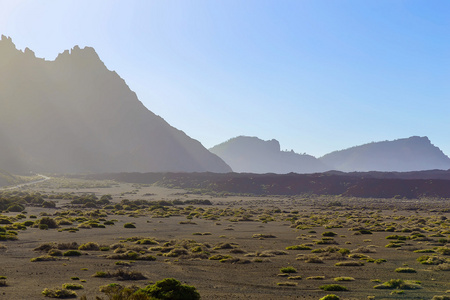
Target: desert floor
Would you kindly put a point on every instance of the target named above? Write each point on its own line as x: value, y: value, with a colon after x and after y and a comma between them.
x: 252, y: 227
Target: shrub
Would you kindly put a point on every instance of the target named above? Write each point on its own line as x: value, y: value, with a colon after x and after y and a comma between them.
x: 171, y: 289
x: 329, y: 233
x: 121, y: 275
x: 349, y: 264
x: 399, y: 284
x: 263, y: 236
x: 287, y: 283
x: 442, y: 267
x: 330, y: 297
x: 72, y: 286
x: 344, y: 279
x: 72, y: 253
x: 59, y: 293
x: 48, y: 204
x: 43, y: 226
x: 16, y: 207
x: 298, y: 247
x: 288, y: 270
x: 147, y: 242
x: 129, y: 225
x: 443, y: 250
x: 48, y: 221
x: 405, y: 270
x: 44, y: 258
x: 55, y: 252
x: 333, y: 287
x: 315, y: 278
x: 314, y: 260
x: 90, y: 246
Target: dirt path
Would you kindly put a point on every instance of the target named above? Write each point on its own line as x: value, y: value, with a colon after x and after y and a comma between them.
x: 44, y: 178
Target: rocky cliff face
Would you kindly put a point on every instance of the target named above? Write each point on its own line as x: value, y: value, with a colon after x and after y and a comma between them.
x: 253, y: 155
x: 402, y: 155
x: 74, y: 115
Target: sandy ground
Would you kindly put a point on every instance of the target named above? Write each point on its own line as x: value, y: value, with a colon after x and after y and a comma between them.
x: 213, y: 279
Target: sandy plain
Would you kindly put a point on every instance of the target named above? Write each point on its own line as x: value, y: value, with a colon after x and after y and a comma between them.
x: 254, y: 271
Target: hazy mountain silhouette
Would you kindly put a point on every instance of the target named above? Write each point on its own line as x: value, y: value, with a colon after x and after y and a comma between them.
x: 253, y: 155
x: 8, y: 179
x: 402, y: 155
x: 74, y: 115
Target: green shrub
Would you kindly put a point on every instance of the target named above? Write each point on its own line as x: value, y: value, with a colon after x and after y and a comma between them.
x: 288, y: 270
x: 55, y: 252
x: 298, y: 247
x: 344, y: 279
x: 329, y: 233
x: 349, y: 264
x: 399, y: 284
x: 48, y: 221
x: 72, y: 286
x: 129, y: 225
x: 90, y: 246
x: 59, y: 293
x: 443, y: 297
x: 171, y: 289
x: 101, y: 274
x: 44, y: 258
x: 424, y: 251
x: 16, y: 207
x: 48, y: 204
x: 333, y: 287
x: 286, y: 283
x: 315, y: 278
x: 443, y: 250
x: 330, y: 297
x: 405, y: 270
x: 72, y: 253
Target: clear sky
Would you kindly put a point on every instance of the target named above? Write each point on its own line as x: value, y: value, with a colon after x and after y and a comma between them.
x: 317, y: 75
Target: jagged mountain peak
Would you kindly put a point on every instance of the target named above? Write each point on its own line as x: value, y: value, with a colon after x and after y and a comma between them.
x: 74, y: 115
x: 253, y: 155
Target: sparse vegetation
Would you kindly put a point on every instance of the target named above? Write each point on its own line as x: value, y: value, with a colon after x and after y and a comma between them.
x: 333, y: 287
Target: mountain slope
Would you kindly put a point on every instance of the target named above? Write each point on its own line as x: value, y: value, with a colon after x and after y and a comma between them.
x: 8, y: 179
x: 74, y: 115
x: 253, y: 155
x: 402, y: 155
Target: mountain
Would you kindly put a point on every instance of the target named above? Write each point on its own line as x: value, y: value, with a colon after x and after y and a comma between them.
x: 74, y: 115
x: 8, y: 179
x: 253, y: 155
x: 402, y: 155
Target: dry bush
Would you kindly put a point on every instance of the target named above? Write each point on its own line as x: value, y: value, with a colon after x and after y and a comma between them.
x: 364, y: 249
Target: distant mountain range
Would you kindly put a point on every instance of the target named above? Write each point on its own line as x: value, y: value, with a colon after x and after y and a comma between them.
x: 402, y: 155
x: 73, y: 115
x: 246, y: 154
x: 253, y: 155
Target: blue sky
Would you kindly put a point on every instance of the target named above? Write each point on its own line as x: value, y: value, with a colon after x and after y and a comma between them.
x: 316, y: 75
